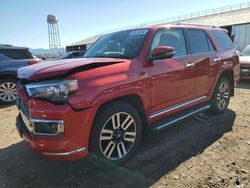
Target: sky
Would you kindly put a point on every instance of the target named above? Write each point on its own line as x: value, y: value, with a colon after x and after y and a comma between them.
x: 23, y: 22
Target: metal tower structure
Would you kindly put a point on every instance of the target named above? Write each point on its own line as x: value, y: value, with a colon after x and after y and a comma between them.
x: 53, y: 32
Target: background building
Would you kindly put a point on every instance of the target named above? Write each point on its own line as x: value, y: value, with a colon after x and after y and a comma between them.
x: 235, y: 18
x: 82, y: 44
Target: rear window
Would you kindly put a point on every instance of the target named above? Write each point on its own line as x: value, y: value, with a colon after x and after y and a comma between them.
x: 16, y: 53
x: 198, y: 41
x: 223, y: 39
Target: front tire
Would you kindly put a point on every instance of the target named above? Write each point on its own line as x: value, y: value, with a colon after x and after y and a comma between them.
x: 8, y: 92
x: 221, y: 96
x: 116, y: 133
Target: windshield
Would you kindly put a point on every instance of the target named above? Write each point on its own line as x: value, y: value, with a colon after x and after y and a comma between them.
x: 65, y: 55
x: 124, y: 44
x: 245, y: 52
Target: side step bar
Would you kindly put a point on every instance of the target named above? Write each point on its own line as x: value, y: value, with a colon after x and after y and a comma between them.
x: 178, y: 117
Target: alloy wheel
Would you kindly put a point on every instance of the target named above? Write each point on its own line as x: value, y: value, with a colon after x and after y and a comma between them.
x: 8, y: 91
x: 223, y: 95
x: 117, y: 136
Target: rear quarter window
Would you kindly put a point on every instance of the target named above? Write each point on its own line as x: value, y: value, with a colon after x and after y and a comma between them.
x: 224, y: 40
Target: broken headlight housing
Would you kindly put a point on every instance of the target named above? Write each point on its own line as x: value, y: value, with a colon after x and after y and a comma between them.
x: 54, y: 91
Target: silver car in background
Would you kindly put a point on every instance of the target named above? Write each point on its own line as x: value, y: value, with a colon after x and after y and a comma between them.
x: 11, y: 59
x: 245, y: 63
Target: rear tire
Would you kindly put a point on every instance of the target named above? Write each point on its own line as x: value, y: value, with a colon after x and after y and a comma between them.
x: 221, y: 96
x: 116, y: 133
x: 8, y: 92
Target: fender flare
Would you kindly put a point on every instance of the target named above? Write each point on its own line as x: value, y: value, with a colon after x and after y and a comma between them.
x: 217, y: 79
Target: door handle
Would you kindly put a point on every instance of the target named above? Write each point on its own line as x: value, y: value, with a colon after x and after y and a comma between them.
x: 217, y: 59
x: 189, y: 65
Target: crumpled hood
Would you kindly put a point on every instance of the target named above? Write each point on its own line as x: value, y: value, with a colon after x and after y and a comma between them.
x: 66, y: 66
x: 244, y: 60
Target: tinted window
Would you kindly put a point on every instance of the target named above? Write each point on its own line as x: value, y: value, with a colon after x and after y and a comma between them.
x: 174, y: 38
x: 16, y: 54
x: 198, y: 41
x: 224, y: 39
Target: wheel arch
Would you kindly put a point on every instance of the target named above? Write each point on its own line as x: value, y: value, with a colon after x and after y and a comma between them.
x: 230, y: 76
x: 131, y: 99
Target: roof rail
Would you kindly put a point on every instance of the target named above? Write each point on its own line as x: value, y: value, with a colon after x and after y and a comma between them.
x: 191, y: 24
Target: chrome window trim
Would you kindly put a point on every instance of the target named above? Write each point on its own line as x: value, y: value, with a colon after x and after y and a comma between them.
x: 166, y: 110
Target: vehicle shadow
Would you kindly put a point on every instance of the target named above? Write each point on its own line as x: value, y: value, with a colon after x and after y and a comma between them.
x: 6, y: 105
x: 159, y: 154
x: 244, y: 84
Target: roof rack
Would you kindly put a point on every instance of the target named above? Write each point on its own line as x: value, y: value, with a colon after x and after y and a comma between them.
x: 191, y: 24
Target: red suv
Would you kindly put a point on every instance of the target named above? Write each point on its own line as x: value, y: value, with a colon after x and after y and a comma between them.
x: 128, y: 81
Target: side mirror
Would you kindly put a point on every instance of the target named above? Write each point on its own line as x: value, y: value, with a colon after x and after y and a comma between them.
x: 161, y: 52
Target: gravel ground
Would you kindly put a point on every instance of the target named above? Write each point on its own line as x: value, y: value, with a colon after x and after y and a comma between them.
x: 211, y: 153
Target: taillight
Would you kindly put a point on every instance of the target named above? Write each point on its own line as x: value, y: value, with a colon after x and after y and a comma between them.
x: 33, y: 62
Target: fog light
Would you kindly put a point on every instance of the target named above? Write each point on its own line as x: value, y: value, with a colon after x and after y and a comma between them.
x: 47, y: 127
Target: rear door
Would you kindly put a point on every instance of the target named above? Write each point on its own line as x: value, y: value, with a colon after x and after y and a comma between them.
x: 172, y: 80
x: 200, y: 47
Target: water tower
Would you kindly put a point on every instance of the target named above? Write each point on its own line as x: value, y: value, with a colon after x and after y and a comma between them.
x: 53, y: 32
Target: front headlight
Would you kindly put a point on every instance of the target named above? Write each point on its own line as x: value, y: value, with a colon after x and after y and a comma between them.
x: 55, y: 91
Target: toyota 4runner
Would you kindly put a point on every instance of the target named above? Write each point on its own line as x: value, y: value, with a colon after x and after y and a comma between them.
x: 127, y: 82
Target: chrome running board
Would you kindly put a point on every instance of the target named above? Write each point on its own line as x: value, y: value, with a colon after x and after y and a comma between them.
x: 180, y: 116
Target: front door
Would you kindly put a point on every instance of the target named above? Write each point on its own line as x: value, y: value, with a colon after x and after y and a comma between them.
x: 172, y: 80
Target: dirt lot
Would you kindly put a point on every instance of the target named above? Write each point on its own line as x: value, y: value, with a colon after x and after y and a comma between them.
x: 192, y: 154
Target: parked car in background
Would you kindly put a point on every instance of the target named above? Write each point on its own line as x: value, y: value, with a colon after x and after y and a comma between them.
x: 12, y: 58
x: 70, y: 55
x: 245, y: 63
x: 128, y: 82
